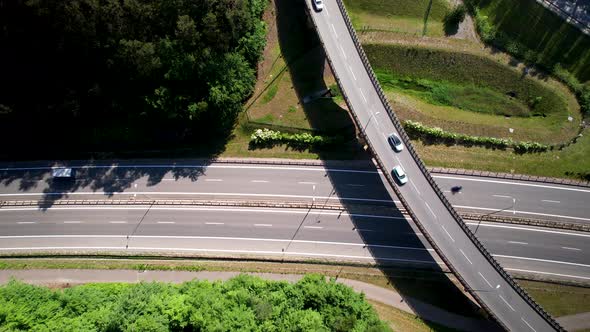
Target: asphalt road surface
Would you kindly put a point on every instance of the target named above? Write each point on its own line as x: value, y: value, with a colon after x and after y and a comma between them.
x: 555, y: 254
x: 488, y: 284
x: 280, y: 232
x: 289, y: 183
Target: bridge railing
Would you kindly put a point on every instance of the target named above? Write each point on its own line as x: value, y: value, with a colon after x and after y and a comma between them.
x: 430, y: 180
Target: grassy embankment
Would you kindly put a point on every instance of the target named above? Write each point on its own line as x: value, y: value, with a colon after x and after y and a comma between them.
x: 467, y: 92
x: 449, y: 75
x: 458, y: 85
x: 293, y: 68
x: 429, y: 287
x: 526, y: 26
x: 417, y: 18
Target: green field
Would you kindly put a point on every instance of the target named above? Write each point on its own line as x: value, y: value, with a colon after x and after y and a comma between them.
x: 571, y: 162
x: 414, y: 17
x: 463, y: 97
x: 472, y: 94
x: 559, y: 300
x: 530, y: 24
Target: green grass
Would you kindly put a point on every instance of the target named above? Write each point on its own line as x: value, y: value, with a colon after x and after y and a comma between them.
x: 402, y: 321
x: 469, y: 98
x: 559, y: 300
x: 294, y: 67
x: 464, y: 69
x: 463, y: 92
x: 571, y: 162
x: 271, y: 92
x: 388, y: 8
x: 417, y: 17
x: 530, y: 24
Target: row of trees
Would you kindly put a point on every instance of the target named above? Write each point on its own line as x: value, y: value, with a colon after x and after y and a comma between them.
x: 158, y: 59
x: 244, y: 303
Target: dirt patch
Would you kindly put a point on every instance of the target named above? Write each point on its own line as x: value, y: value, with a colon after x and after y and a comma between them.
x: 466, y: 28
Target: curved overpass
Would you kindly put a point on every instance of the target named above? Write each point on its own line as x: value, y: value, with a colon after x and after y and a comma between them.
x: 444, y: 229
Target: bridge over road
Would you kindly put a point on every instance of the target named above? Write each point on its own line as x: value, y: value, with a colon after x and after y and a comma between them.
x: 481, y: 275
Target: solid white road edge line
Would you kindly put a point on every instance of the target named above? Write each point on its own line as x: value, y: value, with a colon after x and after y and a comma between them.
x: 522, y: 212
x: 8, y: 237
x: 484, y: 224
x: 509, y: 182
x: 542, y: 260
x: 547, y: 273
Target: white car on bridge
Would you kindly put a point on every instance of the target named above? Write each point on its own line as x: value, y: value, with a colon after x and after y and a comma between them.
x: 400, y: 175
x: 318, y: 5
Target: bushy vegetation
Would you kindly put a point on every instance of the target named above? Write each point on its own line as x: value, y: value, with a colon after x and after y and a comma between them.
x: 161, y: 68
x: 531, y: 32
x: 582, y: 91
x: 417, y: 130
x: 244, y: 303
x: 268, y: 138
x: 467, y: 70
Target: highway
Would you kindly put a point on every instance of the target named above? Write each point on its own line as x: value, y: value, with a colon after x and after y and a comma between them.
x: 290, y: 183
x: 550, y: 253
x: 486, y: 283
x: 292, y: 233
x: 555, y: 254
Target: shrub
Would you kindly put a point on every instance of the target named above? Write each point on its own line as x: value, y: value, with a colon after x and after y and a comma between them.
x: 268, y: 138
x: 582, y: 91
x: 417, y: 130
x: 335, y: 90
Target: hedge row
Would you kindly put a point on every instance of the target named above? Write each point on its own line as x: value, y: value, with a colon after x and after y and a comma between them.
x: 268, y: 138
x: 416, y: 130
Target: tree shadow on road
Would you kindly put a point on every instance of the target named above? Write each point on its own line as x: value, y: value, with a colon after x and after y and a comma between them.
x: 96, y: 179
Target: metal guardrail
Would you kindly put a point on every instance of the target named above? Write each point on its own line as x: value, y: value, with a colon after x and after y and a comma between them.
x: 569, y: 18
x: 286, y: 205
x: 170, y: 202
x: 434, y: 185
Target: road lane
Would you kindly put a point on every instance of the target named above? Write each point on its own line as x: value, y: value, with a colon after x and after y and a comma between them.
x: 230, y: 228
x: 481, y: 195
